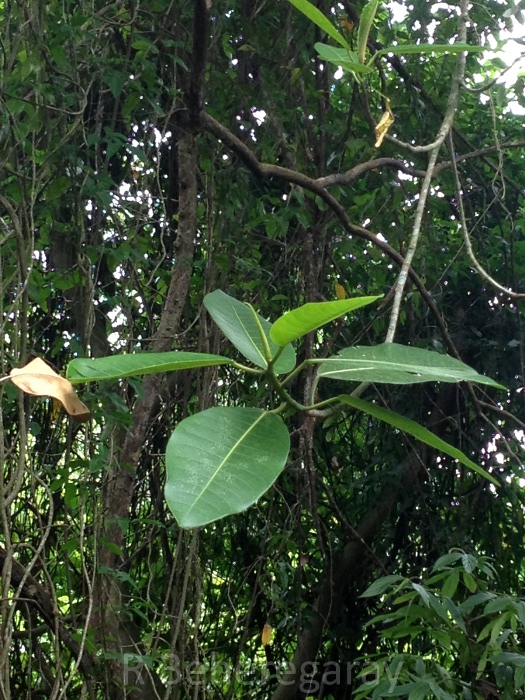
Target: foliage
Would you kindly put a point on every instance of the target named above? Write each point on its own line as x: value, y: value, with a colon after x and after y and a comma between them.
x: 153, y: 154
x: 454, y: 636
x: 211, y: 458
x: 354, y: 61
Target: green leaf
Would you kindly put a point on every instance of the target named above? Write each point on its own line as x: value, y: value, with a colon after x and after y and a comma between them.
x: 450, y: 584
x: 381, y: 585
x: 317, y: 17
x: 114, y: 81
x: 341, y: 57
x: 422, y: 592
x: 497, y: 605
x: 470, y: 603
x: 131, y: 102
x: 438, y: 608
x: 220, y: 461
x: 426, y: 49
x: 455, y: 612
x: 238, y: 322
x: 390, y: 363
x: 417, y: 431
x: 446, y: 560
x: 420, y: 691
x: 57, y: 188
x: 365, y: 25
x: 142, y: 44
x: 507, y: 657
x: 296, y: 323
x: 117, y: 366
x: 59, y: 56
x: 469, y: 563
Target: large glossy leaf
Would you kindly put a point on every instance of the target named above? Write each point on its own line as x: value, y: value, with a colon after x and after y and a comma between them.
x: 239, y: 324
x: 417, y: 431
x: 317, y: 17
x: 296, y: 323
x: 391, y: 363
x: 117, y: 366
x: 222, y: 460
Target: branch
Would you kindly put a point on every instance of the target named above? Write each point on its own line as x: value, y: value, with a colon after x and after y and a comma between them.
x: 201, y: 33
x: 468, y: 243
x: 120, y: 487
x: 362, y: 168
x: 265, y: 170
x: 443, y: 132
x: 337, y: 578
x: 409, y: 79
x: 490, y: 84
x: 481, y: 153
x: 36, y: 594
x: 398, y: 164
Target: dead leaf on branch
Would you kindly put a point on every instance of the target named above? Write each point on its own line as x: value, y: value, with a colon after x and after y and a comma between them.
x: 39, y: 379
x: 266, y: 635
x: 384, y: 125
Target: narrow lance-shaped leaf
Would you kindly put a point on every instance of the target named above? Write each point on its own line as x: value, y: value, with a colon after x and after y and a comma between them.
x: 239, y: 324
x: 119, y: 366
x: 390, y: 363
x: 317, y: 17
x: 417, y: 431
x: 510, y: 658
x: 426, y: 49
x: 380, y: 585
x: 298, y: 322
x: 365, y: 25
x: 220, y: 461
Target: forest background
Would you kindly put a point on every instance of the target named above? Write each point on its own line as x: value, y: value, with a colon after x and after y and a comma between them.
x: 152, y: 153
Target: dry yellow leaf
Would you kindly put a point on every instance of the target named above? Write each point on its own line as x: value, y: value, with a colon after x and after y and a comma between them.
x: 266, y: 636
x: 384, y: 124
x: 56, y: 410
x: 340, y: 291
x: 39, y: 379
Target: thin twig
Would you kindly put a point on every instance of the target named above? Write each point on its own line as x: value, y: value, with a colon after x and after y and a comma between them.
x: 468, y: 243
x: 444, y: 130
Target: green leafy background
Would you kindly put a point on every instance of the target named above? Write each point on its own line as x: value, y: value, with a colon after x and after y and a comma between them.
x: 121, y: 207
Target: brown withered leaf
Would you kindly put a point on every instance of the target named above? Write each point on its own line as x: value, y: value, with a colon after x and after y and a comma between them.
x: 266, y: 635
x: 383, y: 125
x: 39, y: 379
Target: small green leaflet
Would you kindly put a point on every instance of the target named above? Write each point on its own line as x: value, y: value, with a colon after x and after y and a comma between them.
x: 118, y: 366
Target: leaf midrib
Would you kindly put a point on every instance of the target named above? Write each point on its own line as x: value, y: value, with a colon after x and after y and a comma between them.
x: 223, y: 462
x: 250, y: 338
x: 396, y: 366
